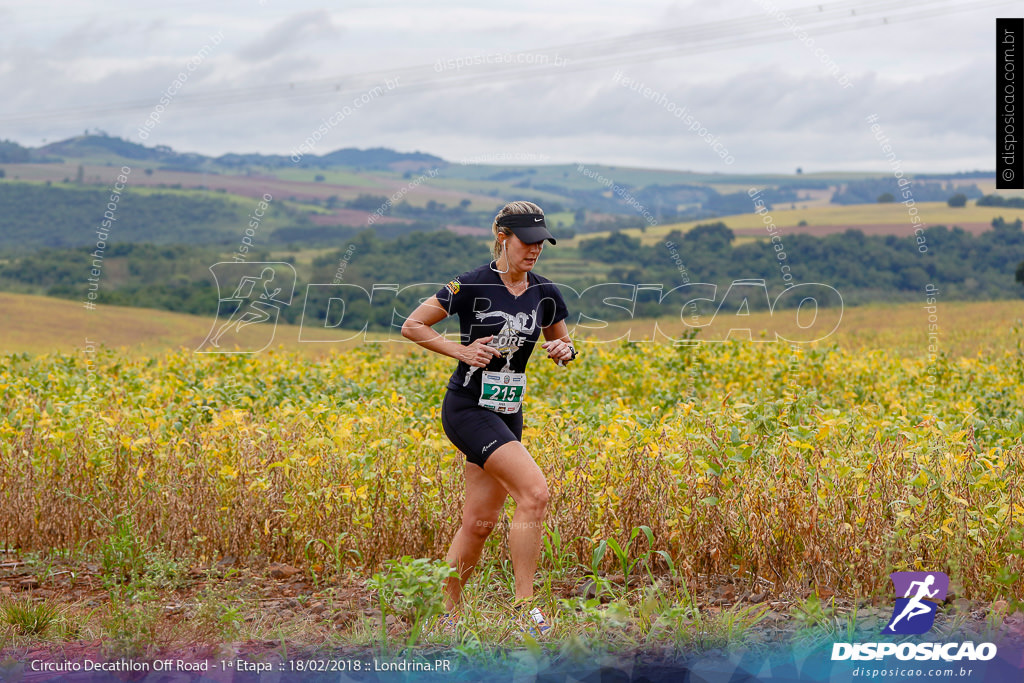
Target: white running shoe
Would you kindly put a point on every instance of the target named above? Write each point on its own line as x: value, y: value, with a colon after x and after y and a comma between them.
x: 537, y: 626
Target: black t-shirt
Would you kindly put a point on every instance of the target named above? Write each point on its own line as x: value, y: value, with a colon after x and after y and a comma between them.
x: 486, y: 307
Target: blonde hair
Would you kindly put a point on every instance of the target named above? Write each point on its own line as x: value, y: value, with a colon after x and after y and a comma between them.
x: 508, y: 209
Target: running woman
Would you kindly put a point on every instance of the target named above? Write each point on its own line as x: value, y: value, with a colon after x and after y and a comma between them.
x: 502, y: 307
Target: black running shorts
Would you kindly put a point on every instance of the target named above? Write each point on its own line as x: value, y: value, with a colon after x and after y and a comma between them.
x: 475, y: 430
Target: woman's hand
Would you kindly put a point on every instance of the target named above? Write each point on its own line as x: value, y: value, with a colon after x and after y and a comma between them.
x: 478, y: 353
x: 559, y: 350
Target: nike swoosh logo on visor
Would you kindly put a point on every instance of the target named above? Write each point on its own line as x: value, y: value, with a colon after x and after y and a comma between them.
x: 537, y: 220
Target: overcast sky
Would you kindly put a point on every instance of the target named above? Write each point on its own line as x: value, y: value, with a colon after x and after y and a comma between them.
x: 772, y: 84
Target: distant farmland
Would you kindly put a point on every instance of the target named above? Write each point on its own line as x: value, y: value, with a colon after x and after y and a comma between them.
x: 871, y: 219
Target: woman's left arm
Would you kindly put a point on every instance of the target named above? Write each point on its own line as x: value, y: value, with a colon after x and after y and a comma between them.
x: 558, y: 345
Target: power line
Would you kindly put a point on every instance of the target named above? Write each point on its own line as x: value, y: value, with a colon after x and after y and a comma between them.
x: 819, y: 19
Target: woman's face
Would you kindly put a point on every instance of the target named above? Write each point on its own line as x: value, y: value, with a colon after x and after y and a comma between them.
x: 521, y: 256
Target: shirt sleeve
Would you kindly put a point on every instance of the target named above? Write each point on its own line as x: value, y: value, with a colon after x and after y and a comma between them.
x: 452, y: 296
x: 553, y: 306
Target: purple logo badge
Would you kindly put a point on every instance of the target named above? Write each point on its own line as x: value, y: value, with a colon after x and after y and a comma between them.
x: 918, y: 595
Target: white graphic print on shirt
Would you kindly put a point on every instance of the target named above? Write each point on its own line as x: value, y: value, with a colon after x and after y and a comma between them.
x: 510, y: 338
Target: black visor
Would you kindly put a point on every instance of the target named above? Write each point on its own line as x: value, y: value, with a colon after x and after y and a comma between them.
x: 528, y: 227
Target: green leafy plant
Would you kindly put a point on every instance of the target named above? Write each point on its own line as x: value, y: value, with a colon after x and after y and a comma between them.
x: 337, y: 554
x: 162, y: 571
x: 123, y: 553
x: 817, y: 618
x: 218, y: 614
x: 555, y: 555
x: 412, y: 589
x: 621, y: 553
x: 1005, y: 577
x: 132, y: 622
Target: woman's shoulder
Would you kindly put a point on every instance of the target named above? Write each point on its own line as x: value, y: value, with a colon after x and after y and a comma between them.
x: 542, y: 282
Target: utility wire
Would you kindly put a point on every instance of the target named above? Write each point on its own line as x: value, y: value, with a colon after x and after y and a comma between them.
x: 815, y: 20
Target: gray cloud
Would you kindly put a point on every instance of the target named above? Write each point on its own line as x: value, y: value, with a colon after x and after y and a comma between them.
x: 297, y: 31
x: 772, y: 105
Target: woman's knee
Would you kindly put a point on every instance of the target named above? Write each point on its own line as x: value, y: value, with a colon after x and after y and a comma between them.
x: 479, y: 526
x: 513, y: 465
x: 534, y: 497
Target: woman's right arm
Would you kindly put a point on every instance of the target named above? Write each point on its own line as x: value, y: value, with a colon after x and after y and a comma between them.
x: 418, y: 328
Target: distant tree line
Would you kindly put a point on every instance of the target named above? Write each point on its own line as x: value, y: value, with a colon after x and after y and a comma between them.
x: 889, y: 189
x: 37, y: 215
x: 13, y: 153
x: 666, y: 203
x: 999, y: 200
x: 862, y: 268
x: 178, y: 278
x: 171, y: 277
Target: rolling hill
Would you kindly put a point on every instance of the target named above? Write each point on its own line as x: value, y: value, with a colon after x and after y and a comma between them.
x: 36, y: 325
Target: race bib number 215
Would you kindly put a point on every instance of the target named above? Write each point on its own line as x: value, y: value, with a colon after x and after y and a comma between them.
x: 502, y: 392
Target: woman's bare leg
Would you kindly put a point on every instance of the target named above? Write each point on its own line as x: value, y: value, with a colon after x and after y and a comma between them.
x: 514, y: 469
x: 485, y: 497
